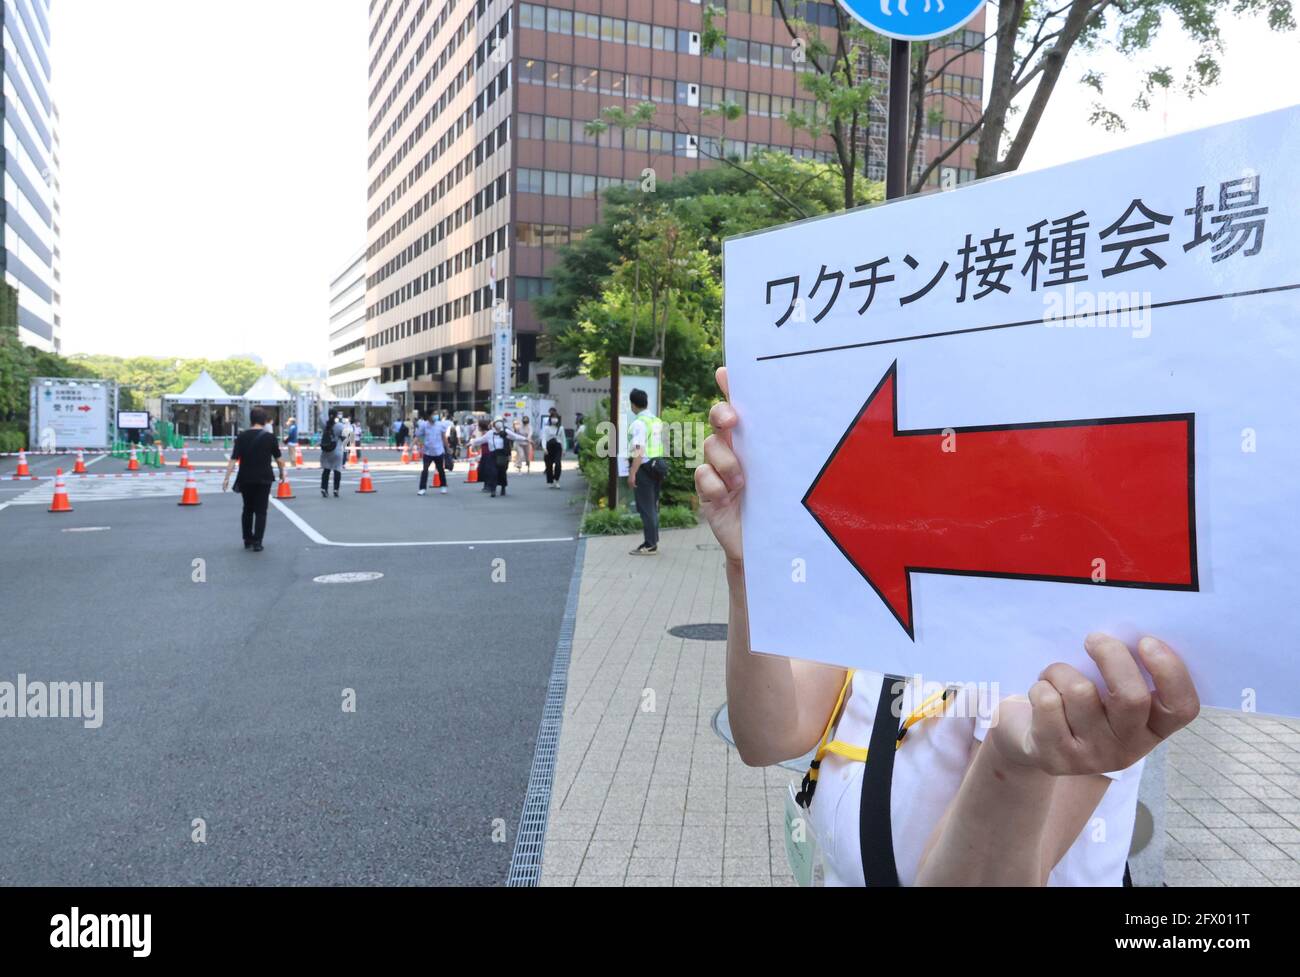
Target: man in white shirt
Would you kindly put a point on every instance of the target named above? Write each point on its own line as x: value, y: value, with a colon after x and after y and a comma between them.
x: 431, y: 435
x: 646, y: 452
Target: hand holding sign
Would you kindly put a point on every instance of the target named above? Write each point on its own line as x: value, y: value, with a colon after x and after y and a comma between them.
x: 1000, y: 452
x: 719, y: 480
x: 1067, y: 727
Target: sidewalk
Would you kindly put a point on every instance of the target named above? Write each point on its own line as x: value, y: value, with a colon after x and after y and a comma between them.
x: 646, y: 793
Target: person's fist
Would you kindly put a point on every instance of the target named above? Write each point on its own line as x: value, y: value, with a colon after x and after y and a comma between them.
x: 1068, y: 726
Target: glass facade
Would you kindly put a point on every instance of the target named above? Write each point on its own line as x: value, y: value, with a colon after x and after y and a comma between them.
x: 31, y: 166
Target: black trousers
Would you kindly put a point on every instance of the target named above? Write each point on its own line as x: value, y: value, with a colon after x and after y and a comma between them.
x: 501, y: 469
x: 553, y: 455
x: 647, y: 506
x: 440, y: 463
x: 253, y: 518
x: 325, y: 479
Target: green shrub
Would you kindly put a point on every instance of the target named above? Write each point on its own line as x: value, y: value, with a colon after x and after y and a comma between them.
x: 595, y: 469
x: 12, y: 437
x: 603, y: 522
x: 676, y: 517
x: 684, y: 433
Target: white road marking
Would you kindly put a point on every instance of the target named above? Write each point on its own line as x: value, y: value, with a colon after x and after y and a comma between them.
x: 352, y: 576
x: 114, y: 489
x: 316, y: 537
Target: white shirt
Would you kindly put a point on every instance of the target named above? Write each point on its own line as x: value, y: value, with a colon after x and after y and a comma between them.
x: 553, y: 431
x: 928, y: 769
x: 430, y: 435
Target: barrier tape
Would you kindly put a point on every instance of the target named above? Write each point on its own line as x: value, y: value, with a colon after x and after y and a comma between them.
x: 175, y: 452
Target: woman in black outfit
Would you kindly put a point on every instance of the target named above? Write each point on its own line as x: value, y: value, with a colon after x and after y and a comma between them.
x: 254, y: 449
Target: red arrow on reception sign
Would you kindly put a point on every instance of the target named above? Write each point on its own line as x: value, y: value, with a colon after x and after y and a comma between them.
x: 1041, y: 501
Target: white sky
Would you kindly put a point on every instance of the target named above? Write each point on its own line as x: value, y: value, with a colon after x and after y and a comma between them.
x: 212, y: 170
x: 213, y: 161
x: 1258, y: 75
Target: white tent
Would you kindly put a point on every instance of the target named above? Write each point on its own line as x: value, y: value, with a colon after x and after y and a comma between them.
x: 371, y: 395
x: 191, y: 410
x: 268, y: 394
x: 371, y: 407
x: 203, y: 388
x: 268, y: 391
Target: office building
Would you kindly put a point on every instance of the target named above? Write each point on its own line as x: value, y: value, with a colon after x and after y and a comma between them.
x: 31, y: 165
x: 347, y: 372
x: 480, y: 165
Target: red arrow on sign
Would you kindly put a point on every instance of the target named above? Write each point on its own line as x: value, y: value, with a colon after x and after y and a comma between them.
x: 84, y: 407
x: 1040, y: 501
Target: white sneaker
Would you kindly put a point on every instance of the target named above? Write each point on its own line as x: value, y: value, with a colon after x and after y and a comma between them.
x: 421, y: 492
x: 442, y: 491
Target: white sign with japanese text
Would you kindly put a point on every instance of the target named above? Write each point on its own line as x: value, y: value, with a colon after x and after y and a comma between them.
x: 71, y: 414
x: 502, y: 357
x: 978, y: 425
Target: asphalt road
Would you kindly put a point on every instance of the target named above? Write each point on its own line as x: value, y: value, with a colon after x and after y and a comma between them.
x: 223, y: 699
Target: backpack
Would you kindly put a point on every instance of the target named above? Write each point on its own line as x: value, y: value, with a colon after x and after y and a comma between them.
x: 327, y: 442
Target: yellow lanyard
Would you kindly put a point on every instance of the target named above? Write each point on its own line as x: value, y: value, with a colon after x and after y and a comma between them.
x: 934, y: 705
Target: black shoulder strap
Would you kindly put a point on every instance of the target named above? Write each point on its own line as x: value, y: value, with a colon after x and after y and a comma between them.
x: 875, y: 829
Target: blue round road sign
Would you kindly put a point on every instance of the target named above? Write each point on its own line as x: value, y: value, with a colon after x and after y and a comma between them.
x: 912, y: 20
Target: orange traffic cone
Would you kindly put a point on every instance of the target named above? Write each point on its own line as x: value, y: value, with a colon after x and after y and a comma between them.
x: 80, y: 467
x: 23, y: 471
x: 185, y: 459
x: 285, y: 491
x: 437, y: 479
x: 191, y: 494
x: 162, y: 462
x: 134, y: 464
x: 472, y: 476
x: 406, y: 455
x: 366, y: 484
x: 352, y: 455
x: 297, y: 456
x: 60, y: 503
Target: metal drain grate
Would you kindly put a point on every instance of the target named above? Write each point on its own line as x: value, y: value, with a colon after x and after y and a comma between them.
x: 526, y: 862
x: 700, y: 632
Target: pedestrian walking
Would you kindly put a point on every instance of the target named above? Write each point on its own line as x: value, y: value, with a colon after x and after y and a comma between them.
x: 346, y: 442
x: 291, y: 433
x: 646, y: 470
x: 453, y: 436
x: 578, y: 431
x: 332, y: 456
x: 399, y: 432
x: 487, y: 464
x: 431, y: 436
x: 496, y: 442
x: 254, y: 449
x: 524, y: 447
x: 554, y: 444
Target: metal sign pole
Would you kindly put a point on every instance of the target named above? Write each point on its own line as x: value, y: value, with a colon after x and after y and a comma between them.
x: 900, y: 57
x: 614, y: 418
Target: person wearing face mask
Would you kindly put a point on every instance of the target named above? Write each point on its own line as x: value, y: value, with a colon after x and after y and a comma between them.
x: 495, y: 442
x: 554, y: 444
